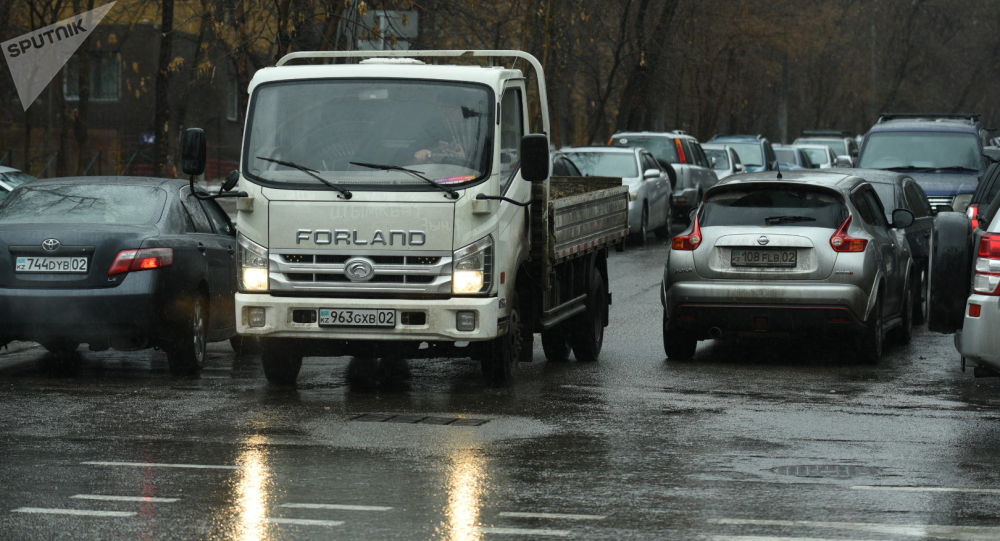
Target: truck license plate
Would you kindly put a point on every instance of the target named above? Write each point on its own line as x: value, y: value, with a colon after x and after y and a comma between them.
x: 50, y: 264
x: 356, y: 317
x: 757, y: 257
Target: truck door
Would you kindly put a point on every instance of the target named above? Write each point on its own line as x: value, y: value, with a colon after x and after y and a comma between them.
x: 513, y: 224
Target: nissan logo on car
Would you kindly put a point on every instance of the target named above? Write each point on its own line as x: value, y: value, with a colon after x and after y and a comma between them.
x: 51, y: 245
x: 351, y: 237
x: 762, y: 240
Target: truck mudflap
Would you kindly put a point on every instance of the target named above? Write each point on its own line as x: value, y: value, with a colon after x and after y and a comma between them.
x: 414, y: 319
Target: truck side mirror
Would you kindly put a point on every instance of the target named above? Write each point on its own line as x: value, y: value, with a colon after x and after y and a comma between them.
x: 193, y: 151
x: 535, y: 157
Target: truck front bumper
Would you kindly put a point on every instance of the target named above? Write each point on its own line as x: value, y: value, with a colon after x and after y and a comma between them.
x: 416, y: 319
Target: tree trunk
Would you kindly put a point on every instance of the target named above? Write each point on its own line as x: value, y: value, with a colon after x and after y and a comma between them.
x: 161, y: 111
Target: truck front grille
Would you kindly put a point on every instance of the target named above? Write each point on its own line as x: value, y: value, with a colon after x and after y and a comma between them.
x: 304, y: 271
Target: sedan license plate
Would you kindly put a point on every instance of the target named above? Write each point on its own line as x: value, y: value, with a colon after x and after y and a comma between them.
x: 757, y: 257
x: 50, y: 264
x: 356, y: 317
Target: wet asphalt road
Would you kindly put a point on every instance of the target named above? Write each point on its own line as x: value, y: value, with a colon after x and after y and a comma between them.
x: 749, y: 441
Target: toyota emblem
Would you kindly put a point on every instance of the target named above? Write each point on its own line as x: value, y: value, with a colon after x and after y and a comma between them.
x: 51, y: 245
x: 359, y: 269
x: 762, y: 240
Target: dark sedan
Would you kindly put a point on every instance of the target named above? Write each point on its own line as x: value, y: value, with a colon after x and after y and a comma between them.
x: 116, y: 262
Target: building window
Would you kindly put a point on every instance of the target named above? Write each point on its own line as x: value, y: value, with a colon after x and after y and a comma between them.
x: 105, y: 77
x: 233, y: 101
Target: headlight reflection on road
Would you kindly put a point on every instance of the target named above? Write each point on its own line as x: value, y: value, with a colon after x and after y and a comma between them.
x: 253, y: 491
x: 466, y: 486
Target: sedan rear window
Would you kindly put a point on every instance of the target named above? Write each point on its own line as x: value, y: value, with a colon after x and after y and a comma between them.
x: 773, y: 205
x: 605, y: 164
x: 662, y: 148
x: 83, y: 204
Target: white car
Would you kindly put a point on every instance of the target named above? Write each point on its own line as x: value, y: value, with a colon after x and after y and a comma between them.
x: 822, y: 156
x: 11, y: 178
x: 648, y: 185
x: 724, y: 159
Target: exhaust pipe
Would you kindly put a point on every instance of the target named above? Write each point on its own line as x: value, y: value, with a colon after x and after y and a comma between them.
x: 715, y: 332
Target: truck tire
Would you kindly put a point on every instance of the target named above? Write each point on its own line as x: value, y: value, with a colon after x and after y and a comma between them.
x: 949, y: 272
x: 281, y: 360
x: 555, y: 344
x: 499, y: 364
x: 871, y: 340
x: 186, y: 354
x: 678, y: 345
x: 587, y: 336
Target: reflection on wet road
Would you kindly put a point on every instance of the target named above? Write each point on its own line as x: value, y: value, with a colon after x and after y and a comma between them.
x: 751, y: 440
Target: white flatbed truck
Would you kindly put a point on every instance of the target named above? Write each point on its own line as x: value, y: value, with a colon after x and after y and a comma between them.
x: 397, y: 201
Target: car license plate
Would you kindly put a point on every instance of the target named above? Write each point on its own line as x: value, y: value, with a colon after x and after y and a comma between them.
x: 50, y: 264
x: 757, y: 257
x: 356, y: 317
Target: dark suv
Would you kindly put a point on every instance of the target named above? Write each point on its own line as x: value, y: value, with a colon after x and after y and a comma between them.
x: 942, y: 152
x: 755, y: 150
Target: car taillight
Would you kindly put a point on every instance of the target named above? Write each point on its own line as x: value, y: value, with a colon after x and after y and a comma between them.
x: 691, y: 241
x: 987, y: 278
x: 973, y: 213
x: 145, y: 259
x: 681, y: 157
x: 841, y: 242
x: 611, y: 141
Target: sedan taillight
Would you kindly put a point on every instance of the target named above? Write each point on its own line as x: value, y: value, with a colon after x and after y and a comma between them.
x: 145, y: 259
x: 987, y: 278
x: 841, y: 242
x: 690, y: 241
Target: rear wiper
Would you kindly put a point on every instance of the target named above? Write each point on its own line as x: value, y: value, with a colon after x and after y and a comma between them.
x: 451, y: 193
x: 775, y: 220
x: 346, y: 194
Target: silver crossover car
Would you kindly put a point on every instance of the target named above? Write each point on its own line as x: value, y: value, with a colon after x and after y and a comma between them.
x: 805, y: 252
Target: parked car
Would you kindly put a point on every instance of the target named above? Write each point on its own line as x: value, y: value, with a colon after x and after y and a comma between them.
x: 841, y: 142
x: 116, y: 262
x: 563, y: 166
x: 724, y: 160
x: 683, y: 158
x: 943, y: 152
x: 755, y: 151
x: 986, y: 192
x: 791, y: 157
x: 11, y: 178
x: 811, y: 253
x: 648, y: 184
x: 822, y: 157
x: 900, y: 191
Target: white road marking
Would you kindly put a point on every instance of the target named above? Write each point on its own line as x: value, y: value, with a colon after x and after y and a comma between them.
x: 106, y: 498
x: 525, y: 531
x: 779, y: 538
x: 927, y: 489
x: 75, y: 512
x: 566, y: 516
x: 305, y: 522
x: 336, y: 506
x: 162, y: 465
x: 941, y: 531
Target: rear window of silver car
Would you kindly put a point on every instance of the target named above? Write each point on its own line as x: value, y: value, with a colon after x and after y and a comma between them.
x: 662, y: 148
x: 773, y: 205
x: 605, y: 164
x: 83, y: 204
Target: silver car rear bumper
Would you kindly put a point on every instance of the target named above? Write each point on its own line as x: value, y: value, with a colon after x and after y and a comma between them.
x: 979, y: 339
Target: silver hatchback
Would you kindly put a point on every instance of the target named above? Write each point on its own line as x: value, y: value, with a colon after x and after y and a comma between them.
x: 806, y: 252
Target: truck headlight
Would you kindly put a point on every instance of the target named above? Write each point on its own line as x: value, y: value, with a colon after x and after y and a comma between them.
x: 472, y: 268
x: 253, y: 266
x: 961, y: 202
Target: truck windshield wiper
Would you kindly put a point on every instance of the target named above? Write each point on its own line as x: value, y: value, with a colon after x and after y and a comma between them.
x: 774, y: 220
x: 451, y: 193
x: 346, y: 194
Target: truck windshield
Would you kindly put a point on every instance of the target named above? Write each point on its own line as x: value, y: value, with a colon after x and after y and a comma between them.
x: 441, y: 129
x: 931, y: 150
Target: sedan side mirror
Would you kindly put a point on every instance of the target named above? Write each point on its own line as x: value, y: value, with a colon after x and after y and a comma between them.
x: 535, y: 157
x: 193, y: 151
x: 902, y: 218
x: 739, y: 168
x: 651, y: 173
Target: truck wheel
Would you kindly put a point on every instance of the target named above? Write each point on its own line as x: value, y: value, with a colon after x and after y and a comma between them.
x: 281, y: 360
x: 186, y: 355
x: 872, y: 339
x: 555, y: 343
x: 499, y: 364
x: 949, y: 272
x: 678, y: 345
x: 587, y: 337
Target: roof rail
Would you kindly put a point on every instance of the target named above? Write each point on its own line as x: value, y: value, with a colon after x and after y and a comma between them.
x: 971, y: 117
x: 836, y: 133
